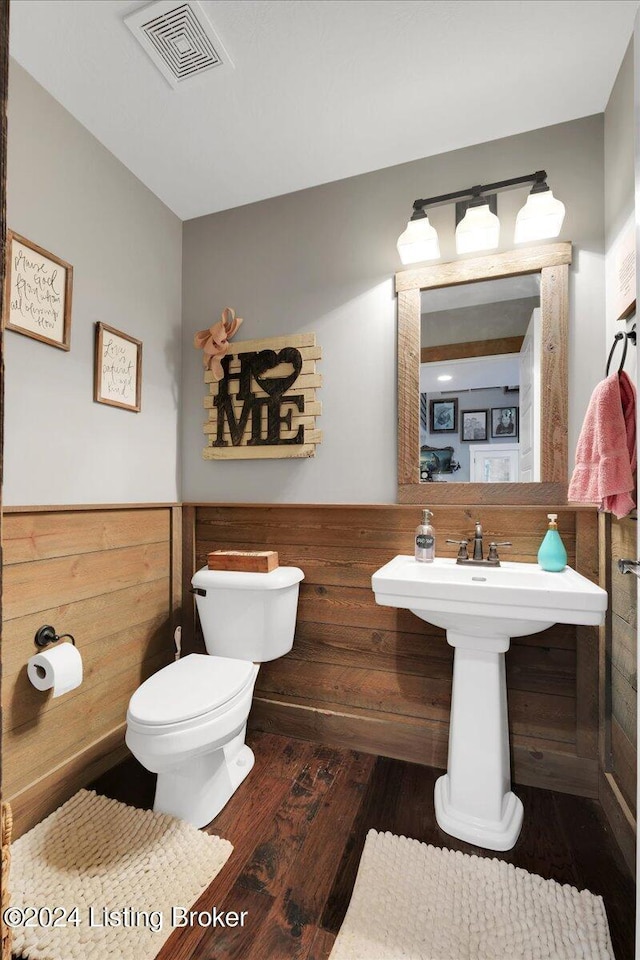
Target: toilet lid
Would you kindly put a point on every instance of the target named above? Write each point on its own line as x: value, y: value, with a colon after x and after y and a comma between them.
x: 189, y: 688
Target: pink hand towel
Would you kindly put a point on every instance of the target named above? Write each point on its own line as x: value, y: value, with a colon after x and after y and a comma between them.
x: 606, y: 451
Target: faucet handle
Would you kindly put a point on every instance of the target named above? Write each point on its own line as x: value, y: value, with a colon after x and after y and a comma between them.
x: 462, y: 548
x: 493, y: 549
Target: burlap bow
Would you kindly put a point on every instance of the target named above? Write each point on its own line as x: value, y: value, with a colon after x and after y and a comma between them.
x: 215, y: 341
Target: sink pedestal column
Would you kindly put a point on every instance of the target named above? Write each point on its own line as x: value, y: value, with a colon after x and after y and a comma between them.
x: 473, y: 799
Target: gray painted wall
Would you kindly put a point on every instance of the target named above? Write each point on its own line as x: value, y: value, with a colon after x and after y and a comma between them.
x: 619, y: 150
x: 323, y: 260
x: 619, y: 187
x: 71, y: 196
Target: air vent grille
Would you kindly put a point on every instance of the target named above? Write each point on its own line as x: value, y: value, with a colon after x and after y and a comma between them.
x: 178, y: 38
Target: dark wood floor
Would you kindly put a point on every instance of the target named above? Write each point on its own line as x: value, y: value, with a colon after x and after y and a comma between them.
x: 298, y: 825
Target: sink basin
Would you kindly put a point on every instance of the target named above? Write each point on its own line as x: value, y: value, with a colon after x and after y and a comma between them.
x: 481, y: 608
x: 512, y: 600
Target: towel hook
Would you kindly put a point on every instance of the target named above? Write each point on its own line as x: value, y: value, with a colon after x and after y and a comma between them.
x: 625, y: 336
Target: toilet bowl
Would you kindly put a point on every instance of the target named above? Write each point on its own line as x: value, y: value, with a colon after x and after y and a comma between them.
x: 187, y: 723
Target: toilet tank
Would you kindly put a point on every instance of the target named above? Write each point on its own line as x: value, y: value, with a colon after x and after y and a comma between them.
x: 248, y: 616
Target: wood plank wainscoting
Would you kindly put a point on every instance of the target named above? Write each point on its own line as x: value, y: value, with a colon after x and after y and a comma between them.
x: 111, y: 577
x: 377, y: 679
x: 619, y: 685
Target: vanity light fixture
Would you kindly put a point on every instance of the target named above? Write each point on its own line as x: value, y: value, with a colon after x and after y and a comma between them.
x: 540, y: 219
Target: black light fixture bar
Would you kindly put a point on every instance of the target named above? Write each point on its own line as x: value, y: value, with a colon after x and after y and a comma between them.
x: 538, y: 177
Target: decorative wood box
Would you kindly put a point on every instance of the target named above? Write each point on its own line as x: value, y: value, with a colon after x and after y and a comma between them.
x: 246, y: 561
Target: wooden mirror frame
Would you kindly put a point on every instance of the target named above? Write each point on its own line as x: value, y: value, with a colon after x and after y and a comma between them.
x: 551, y: 261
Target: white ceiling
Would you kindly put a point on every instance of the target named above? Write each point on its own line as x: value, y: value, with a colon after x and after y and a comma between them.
x: 322, y: 89
x: 472, y: 373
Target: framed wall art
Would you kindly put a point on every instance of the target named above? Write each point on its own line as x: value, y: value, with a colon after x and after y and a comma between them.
x: 474, y: 425
x: 117, y: 377
x: 436, y: 460
x: 262, y: 403
x: 37, y: 296
x: 443, y: 415
x: 504, y: 422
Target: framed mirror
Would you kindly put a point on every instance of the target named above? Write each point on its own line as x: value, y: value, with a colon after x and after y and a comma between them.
x: 483, y: 379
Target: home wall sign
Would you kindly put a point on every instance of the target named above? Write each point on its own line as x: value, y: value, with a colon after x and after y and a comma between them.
x: 37, y: 295
x: 265, y: 405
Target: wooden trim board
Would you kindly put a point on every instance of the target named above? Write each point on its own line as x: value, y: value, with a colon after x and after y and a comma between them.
x: 587, y: 640
x: 508, y: 264
x: 188, y: 569
x: 552, y: 262
x: 83, y: 507
x: 621, y: 820
x: 474, y: 348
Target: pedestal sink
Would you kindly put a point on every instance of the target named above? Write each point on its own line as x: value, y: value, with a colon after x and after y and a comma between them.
x: 481, y: 608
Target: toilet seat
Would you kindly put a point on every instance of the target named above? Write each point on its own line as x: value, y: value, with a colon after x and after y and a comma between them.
x: 190, y: 688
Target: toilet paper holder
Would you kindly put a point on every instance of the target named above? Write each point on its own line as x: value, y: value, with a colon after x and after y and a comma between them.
x: 47, y: 634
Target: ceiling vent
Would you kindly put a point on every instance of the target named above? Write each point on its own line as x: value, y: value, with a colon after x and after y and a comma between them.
x: 179, y: 39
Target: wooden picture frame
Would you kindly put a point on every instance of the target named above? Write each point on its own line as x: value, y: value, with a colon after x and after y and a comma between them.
x: 38, y: 287
x: 117, y: 379
x: 443, y: 415
x: 504, y: 422
x: 551, y: 261
x: 474, y: 425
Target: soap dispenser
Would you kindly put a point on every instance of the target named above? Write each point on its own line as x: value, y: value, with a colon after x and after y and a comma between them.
x: 425, y: 539
x: 552, y: 555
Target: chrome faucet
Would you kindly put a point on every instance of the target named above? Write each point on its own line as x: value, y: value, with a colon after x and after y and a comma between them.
x: 492, y: 559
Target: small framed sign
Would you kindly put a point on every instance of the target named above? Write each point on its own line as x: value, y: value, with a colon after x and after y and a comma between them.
x: 624, y: 277
x: 118, y: 369
x: 37, y: 295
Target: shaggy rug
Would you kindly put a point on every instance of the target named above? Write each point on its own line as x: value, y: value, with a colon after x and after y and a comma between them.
x: 412, y: 901
x: 99, y: 880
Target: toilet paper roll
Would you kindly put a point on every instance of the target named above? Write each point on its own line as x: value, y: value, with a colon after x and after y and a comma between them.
x: 59, y: 669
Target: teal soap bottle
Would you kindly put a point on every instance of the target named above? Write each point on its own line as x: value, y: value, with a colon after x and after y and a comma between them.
x: 552, y: 555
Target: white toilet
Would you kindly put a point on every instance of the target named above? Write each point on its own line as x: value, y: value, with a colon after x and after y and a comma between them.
x: 187, y: 722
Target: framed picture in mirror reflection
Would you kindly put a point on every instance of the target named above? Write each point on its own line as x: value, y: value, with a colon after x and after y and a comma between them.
x: 504, y: 422
x: 474, y: 425
x: 443, y: 415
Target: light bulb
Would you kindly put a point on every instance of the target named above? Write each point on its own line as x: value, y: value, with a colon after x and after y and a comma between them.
x: 418, y: 242
x: 479, y: 229
x: 540, y: 218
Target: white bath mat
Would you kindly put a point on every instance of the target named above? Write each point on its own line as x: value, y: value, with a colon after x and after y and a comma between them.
x: 124, y: 870
x: 417, y: 902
